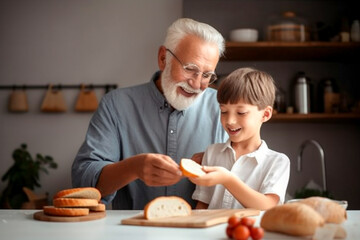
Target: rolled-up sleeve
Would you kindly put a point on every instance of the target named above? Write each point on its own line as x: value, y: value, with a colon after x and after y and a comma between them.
x: 100, y: 148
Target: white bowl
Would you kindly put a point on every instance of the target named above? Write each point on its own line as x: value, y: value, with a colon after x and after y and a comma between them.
x: 244, y: 35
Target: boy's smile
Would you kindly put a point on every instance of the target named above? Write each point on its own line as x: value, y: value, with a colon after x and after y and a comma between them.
x: 242, y: 122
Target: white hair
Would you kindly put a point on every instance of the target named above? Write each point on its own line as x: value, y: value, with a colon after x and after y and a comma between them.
x: 186, y: 26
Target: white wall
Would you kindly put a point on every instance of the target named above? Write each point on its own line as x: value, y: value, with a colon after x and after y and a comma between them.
x: 71, y: 42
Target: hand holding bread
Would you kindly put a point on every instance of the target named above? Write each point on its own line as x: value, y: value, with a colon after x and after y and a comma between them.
x: 157, y: 170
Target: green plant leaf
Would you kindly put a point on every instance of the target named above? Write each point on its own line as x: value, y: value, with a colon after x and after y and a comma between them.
x: 25, y: 172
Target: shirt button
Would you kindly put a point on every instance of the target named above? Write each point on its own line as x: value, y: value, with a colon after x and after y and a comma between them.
x: 171, y: 131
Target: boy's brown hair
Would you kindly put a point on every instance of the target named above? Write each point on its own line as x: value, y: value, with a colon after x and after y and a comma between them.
x: 249, y: 85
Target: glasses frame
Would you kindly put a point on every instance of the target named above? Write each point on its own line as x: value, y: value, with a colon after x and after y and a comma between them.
x: 204, y: 75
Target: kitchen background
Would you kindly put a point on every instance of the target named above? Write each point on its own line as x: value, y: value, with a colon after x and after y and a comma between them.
x: 115, y: 42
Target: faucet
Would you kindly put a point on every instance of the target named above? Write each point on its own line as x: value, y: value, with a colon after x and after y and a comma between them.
x: 322, y: 158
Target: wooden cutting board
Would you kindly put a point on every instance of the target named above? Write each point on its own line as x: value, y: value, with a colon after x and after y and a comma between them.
x: 197, y: 219
x: 41, y: 216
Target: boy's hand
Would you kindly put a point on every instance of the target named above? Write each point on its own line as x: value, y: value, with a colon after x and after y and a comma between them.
x: 213, y: 176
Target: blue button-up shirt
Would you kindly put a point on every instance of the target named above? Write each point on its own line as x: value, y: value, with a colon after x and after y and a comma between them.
x: 137, y: 120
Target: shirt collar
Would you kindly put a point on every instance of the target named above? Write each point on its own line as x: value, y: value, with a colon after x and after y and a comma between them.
x: 259, y: 154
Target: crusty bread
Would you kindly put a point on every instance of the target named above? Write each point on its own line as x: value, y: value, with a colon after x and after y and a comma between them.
x: 74, y: 202
x: 170, y: 206
x: 66, y: 212
x: 331, y: 211
x: 85, y: 192
x: 292, y: 218
x: 191, y: 168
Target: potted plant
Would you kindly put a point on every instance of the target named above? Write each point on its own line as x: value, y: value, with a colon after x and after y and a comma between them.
x: 24, y: 173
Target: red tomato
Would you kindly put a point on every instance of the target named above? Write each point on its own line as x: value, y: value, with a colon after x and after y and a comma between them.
x: 249, y: 222
x: 229, y: 231
x: 257, y: 233
x: 233, y: 221
x: 241, y: 232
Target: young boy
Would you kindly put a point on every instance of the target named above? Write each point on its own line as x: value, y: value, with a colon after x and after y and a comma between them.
x: 243, y: 172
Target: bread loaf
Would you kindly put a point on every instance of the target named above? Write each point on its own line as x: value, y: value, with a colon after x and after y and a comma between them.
x: 86, y: 192
x: 191, y: 168
x: 292, y: 218
x: 162, y: 207
x: 331, y: 211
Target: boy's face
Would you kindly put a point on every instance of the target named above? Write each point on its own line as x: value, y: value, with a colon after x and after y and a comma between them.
x: 243, y: 121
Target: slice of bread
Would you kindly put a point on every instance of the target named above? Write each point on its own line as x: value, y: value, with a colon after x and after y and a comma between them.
x: 85, y: 192
x: 191, y: 168
x: 162, y: 207
x: 74, y: 202
x: 99, y: 208
x: 65, y: 212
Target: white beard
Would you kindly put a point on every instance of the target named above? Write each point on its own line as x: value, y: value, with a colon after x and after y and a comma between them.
x: 177, y: 101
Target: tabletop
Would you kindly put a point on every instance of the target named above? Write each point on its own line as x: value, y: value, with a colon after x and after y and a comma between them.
x: 19, y: 224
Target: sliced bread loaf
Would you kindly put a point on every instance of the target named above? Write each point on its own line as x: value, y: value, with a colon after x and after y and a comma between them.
x: 170, y: 206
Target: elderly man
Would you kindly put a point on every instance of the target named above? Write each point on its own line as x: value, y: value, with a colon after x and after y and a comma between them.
x: 138, y: 135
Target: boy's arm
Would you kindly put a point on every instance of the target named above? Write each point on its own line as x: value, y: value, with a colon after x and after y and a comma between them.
x: 247, y: 196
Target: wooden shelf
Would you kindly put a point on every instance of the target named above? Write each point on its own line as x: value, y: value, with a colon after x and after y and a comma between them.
x: 292, y: 51
x: 316, y: 117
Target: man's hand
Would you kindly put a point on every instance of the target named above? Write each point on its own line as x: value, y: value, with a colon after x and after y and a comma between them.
x: 158, y: 170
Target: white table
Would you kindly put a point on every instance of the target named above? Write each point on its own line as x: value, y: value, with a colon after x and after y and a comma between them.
x: 19, y: 224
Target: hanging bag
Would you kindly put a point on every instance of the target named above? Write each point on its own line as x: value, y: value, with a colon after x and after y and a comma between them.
x: 86, y: 101
x: 53, y: 101
x: 18, y: 101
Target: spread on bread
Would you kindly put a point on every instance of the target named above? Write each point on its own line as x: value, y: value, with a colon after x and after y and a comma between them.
x: 75, y: 202
x: 306, y: 217
x: 170, y: 206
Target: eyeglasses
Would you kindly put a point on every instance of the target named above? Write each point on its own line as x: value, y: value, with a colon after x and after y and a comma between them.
x: 192, y: 71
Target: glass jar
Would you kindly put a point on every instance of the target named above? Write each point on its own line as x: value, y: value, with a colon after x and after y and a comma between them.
x: 287, y: 28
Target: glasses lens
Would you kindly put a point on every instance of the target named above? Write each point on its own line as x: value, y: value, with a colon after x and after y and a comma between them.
x: 213, y: 78
x: 192, y: 71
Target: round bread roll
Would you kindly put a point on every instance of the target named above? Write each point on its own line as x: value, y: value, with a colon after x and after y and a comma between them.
x: 74, y: 202
x: 85, y: 192
x: 293, y: 218
x: 331, y: 211
x: 65, y: 212
x: 170, y: 206
x: 191, y: 168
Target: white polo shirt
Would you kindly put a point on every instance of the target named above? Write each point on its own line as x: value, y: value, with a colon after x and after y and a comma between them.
x: 264, y: 170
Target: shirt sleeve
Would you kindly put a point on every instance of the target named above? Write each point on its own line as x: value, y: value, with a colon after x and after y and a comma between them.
x: 101, y: 147
x: 277, y: 178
